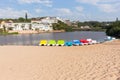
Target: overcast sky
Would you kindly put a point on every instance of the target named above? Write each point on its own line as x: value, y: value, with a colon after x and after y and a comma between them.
x: 82, y: 10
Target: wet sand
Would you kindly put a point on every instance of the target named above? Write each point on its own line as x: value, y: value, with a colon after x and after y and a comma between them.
x: 90, y: 62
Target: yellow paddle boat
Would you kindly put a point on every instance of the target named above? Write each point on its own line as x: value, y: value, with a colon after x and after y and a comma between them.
x: 43, y: 42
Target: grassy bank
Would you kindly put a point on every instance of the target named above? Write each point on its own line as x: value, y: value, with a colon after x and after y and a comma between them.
x: 7, y: 33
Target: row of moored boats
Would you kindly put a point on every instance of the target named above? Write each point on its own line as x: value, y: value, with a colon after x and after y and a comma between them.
x: 67, y: 43
x: 72, y: 42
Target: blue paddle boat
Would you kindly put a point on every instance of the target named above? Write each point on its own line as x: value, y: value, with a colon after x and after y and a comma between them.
x: 77, y: 43
x: 68, y: 43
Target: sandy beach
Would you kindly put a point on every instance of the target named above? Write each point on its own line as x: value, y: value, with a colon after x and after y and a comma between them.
x: 90, y: 62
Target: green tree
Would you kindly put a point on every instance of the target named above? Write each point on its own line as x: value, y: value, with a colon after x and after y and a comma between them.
x: 28, y: 20
x: 30, y: 26
x: 4, y: 28
x: 81, y: 24
x: 26, y: 17
x: 1, y: 30
x: 61, y: 26
x: 114, y: 29
x: 21, y: 19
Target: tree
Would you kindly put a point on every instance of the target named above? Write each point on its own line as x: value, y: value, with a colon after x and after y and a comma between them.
x: 26, y: 17
x: 30, y: 26
x: 61, y: 26
x: 4, y: 28
x: 114, y: 29
x: 21, y: 19
x: 1, y: 30
x: 80, y: 24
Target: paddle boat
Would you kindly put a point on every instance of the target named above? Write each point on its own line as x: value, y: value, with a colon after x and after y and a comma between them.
x: 68, y: 43
x: 60, y: 43
x: 94, y: 42
x: 109, y: 38
x: 77, y: 43
x: 89, y: 41
x: 51, y: 43
x: 43, y: 43
x: 84, y: 41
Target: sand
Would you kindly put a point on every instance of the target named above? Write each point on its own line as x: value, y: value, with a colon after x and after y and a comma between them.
x: 93, y: 62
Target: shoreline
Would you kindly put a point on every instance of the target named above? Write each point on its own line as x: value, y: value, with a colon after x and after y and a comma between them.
x: 36, y: 32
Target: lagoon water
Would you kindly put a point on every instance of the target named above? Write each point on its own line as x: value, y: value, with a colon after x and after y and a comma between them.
x: 33, y: 39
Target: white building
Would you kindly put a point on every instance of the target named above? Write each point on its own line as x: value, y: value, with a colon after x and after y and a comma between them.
x: 85, y: 27
x: 43, y: 24
x: 15, y: 26
x: 21, y: 26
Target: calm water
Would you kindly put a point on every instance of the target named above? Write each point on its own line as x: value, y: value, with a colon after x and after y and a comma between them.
x: 33, y: 39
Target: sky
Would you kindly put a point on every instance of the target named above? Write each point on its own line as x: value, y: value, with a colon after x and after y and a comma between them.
x: 82, y: 10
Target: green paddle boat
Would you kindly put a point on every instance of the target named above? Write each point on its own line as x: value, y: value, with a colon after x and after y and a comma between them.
x: 51, y: 43
x: 60, y: 43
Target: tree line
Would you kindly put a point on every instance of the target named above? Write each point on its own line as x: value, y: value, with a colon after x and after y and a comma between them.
x: 20, y: 19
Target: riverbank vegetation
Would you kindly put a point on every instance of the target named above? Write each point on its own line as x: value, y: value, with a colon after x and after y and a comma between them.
x: 114, y: 29
x: 82, y: 26
x: 5, y: 32
x: 91, y: 26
